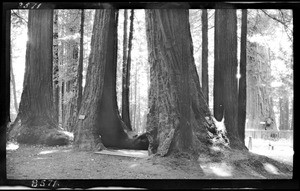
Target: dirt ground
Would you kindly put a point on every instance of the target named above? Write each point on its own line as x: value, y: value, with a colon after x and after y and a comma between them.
x: 38, y: 162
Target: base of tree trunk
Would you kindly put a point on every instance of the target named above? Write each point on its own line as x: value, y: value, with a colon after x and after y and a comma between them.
x: 44, y: 135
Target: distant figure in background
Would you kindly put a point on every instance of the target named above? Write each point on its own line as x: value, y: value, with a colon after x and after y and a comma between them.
x: 268, y: 122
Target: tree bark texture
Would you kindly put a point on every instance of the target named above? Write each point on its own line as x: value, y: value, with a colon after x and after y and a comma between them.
x: 80, y: 64
x: 55, y: 67
x: 259, y: 101
x: 218, y: 105
x: 102, y: 122
x: 226, y: 66
x: 177, y: 108
x: 242, y: 95
x: 36, y: 122
x: 126, y: 71
x: 71, y: 78
x: 205, y: 87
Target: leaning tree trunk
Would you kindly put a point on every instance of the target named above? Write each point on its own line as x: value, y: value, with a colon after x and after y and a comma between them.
x: 13, y: 83
x: 179, y: 118
x: 242, y: 95
x: 35, y: 123
x: 99, y: 120
x: 205, y: 86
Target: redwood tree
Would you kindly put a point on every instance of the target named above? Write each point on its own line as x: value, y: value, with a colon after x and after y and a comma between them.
x: 205, y: 55
x: 126, y: 70
x: 242, y: 97
x: 55, y: 67
x: 80, y: 63
x: 226, y: 67
x: 179, y: 119
x: 218, y: 76
x: 99, y: 120
x: 36, y: 121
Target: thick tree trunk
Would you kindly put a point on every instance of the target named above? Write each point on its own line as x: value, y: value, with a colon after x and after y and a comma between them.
x: 259, y: 101
x: 99, y: 120
x: 179, y: 118
x: 205, y: 86
x: 218, y: 76
x: 80, y: 64
x: 226, y: 61
x: 36, y: 122
x: 242, y: 97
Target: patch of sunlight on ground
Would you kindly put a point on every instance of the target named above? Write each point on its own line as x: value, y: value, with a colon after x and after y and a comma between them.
x: 132, y: 152
x: 133, y: 165
x: 12, y: 146
x: 47, y: 152
x: 271, y: 168
x: 219, y: 169
x: 70, y: 134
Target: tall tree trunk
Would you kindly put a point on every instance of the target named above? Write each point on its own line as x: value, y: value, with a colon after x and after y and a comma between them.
x: 205, y: 86
x: 284, y: 113
x: 242, y: 97
x: 102, y: 122
x: 178, y: 118
x: 72, y: 65
x: 55, y: 67
x: 218, y: 76
x: 281, y: 114
x: 4, y: 75
x: 13, y: 82
x: 226, y: 58
x: 135, y: 98
x: 36, y: 122
x: 80, y: 64
x: 292, y: 121
x: 62, y: 104
x: 126, y: 74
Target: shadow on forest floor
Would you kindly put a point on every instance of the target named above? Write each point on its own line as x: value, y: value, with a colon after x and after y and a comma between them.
x: 38, y: 162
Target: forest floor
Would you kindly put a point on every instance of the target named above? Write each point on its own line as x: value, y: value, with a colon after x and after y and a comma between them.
x: 38, y: 162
